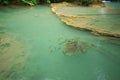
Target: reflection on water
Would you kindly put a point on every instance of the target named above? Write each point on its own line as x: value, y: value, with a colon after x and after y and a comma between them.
x: 36, y: 45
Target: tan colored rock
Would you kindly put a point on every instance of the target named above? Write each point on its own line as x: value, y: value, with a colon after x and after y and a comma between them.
x: 80, y: 22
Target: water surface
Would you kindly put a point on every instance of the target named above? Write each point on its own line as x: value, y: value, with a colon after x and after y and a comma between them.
x: 36, y: 45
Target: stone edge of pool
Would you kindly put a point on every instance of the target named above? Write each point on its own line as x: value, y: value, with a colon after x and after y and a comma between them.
x: 94, y: 30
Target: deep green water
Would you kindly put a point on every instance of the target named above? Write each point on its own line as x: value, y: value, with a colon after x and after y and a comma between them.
x: 33, y: 46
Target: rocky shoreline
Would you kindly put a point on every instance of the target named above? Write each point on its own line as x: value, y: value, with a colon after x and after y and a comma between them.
x: 80, y: 22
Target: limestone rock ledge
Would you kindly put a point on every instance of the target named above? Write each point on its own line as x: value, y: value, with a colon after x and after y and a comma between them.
x: 80, y: 22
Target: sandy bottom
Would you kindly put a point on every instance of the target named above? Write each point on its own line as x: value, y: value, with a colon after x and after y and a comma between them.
x: 12, y: 56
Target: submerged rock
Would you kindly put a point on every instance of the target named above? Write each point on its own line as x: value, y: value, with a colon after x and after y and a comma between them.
x: 73, y: 47
x: 12, y: 56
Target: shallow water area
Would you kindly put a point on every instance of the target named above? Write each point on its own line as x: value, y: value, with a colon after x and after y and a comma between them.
x: 100, y: 20
x: 36, y: 45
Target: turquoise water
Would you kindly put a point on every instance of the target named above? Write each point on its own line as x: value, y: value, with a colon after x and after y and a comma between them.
x: 36, y: 45
x: 113, y: 4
